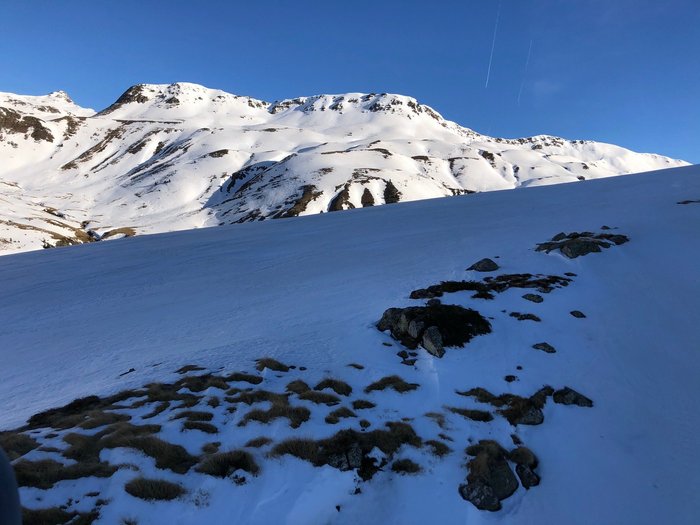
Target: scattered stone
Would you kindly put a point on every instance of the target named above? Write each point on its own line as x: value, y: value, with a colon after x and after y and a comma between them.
x: 402, y: 354
x: 570, y: 274
x: 527, y: 476
x: 525, y: 317
x: 568, y: 396
x: 577, y: 244
x: 490, y: 285
x: 386, y: 344
x: 510, y: 378
x: 432, y: 341
x: 523, y: 456
x: 578, y: 314
x: 484, y: 265
x: 535, y: 298
x: 545, y: 347
x: 409, y: 362
x: 127, y: 372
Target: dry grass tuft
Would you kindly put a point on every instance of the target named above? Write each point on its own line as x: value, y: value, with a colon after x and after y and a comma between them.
x: 224, y: 464
x: 405, y: 466
x: 194, y: 415
x: 198, y: 425
x: 339, y: 387
x: 295, y: 415
x: 473, y: 414
x: 189, y: 368
x: 44, y: 473
x: 259, y: 396
x: 338, y: 414
x: 298, y: 387
x: 258, y: 442
x: 320, y: 398
x: 439, y: 419
x: 393, y: 382
x: 362, y: 404
x: 16, y: 444
x: 211, y: 448
x: 272, y: 364
x: 247, y: 378
x: 306, y: 449
x: 203, y: 382
x: 438, y: 448
x: 159, y: 408
x: 98, y: 418
x: 154, y: 489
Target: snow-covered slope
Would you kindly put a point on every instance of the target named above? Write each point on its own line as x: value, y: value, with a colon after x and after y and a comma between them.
x: 182, y: 156
x: 102, y: 318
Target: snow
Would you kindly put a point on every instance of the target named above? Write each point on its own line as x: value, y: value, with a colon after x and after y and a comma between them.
x: 307, y: 291
x: 145, y: 162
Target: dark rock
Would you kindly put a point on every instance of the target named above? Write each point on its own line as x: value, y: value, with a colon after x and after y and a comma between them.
x: 568, y: 396
x: 409, y: 362
x: 578, y: 247
x: 433, y: 302
x: 559, y: 237
x: 488, y: 470
x: 523, y: 456
x: 484, y: 265
x: 578, y: 314
x: 510, y: 378
x: 402, y: 354
x: 432, y: 341
x: 434, y: 327
x: 545, y: 347
x: 577, y: 244
x: 533, y: 297
x: 480, y: 495
x: 527, y: 476
x: 525, y: 317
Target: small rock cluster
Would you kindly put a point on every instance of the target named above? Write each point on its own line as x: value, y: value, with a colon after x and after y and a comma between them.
x: 577, y: 244
x: 434, y: 326
x: 491, y: 480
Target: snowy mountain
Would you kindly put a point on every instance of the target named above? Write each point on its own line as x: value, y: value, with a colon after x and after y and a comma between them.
x: 182, y: 156
x: 242, y: 374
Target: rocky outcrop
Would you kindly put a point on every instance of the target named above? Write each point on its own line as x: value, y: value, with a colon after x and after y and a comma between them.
x: 577, y: 244
x: 569, y: 396
x: 484, y: 265
x: 433, y: 327
x: 490, y: 479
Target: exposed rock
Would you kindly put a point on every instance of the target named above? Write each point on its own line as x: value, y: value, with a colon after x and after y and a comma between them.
x: 527, y: 476
x: 545, y: 347
x: 432, y: 341
x: 568, y: 396
x: 367, y: 199
x: 576, y: 244
x: 535, y: 298
x: 525, y: 317
x: 523, y: 456
x: 490, y: 478
x: 434, y: 327
x: 484, y: 265
x: 578, y: 314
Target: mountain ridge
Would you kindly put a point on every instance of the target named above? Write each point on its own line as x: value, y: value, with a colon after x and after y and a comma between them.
x: 167, y: 157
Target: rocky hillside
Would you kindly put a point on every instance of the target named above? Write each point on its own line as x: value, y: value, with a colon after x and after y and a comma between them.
x: 182, y: 156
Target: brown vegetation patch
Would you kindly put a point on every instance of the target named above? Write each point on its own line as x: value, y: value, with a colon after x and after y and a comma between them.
x: 224, y: 464
x: 198, y: 425
x: 297, y: 387
x: 272, y: 364
x: 362, y: 404
x: 393, y: 382
x: 474, y: 415
x: 154, y: 489
x: 320, y: 398
x: 339, y: 413
x: 16, y: 444
x: 339, y: 387
x: 405, y: 466
x: 258, y: 442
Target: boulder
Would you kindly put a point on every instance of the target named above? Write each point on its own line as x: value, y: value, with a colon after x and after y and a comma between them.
x: 535, y: 298
x: 480, y: 495
x: 527, y: 476
x: 484, y: 265
x: 490, y: 478
x: 569, y: 396
x: 578, y: 314
x: 432, y: 341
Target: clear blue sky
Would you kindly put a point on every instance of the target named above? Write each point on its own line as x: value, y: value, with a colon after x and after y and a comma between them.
x: 620, y: 71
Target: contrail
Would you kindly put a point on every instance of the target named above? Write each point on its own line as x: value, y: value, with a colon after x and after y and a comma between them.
x: 527, y: 63
x: 493, y: 44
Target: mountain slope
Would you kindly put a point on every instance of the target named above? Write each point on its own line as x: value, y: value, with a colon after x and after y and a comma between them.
x: 308, y: 293
x: 182, y: 156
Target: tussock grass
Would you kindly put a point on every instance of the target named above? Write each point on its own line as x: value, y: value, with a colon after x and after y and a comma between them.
x: 302, y: 448
x: 258, y: 442
x: 200, y: 383
x: 211, y: 448
x: 199, y: 425
x: 167, y: 455
x: 320, y: 398
x: 272, y: 364
x: 393, y: 382
x: 243, y: 377
x: 439, y: 419
x: 214, y: 402
x: 339, y: 387
x: 44, y: 473
x: 258, y: 396
x: 99, y: 418
x: 154, y: 489
x: 405, y: 466
x: 438, y: 448
x: 16, y: 444
x: 57, y: 516
x: 194, y: 415
x: 159, y: 408
x: 338, y: 414
x: 189, y: 368
x: 224, y: 464
x: 362, y: 404
x: 66, y: 416
x: 295, y: 415
x: 473, y: 414
x: 297, y: 387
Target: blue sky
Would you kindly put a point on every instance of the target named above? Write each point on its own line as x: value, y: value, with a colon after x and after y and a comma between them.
x: 619, y: 71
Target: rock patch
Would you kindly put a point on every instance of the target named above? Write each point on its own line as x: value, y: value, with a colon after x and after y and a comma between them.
x: 577, y: 244
x: 484, y: 265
